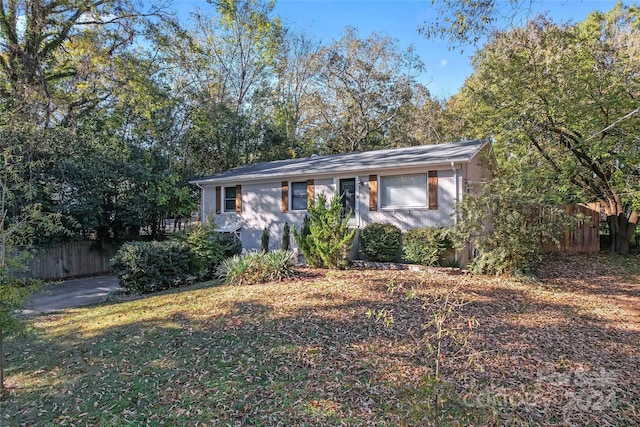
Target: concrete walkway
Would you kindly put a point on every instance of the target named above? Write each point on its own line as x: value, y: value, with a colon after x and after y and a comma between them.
x: 70, y: 293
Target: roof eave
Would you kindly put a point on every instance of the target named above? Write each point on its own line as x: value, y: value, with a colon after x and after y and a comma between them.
x: 270, y: 177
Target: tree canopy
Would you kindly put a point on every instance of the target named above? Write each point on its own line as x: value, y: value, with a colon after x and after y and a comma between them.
x: 129, y: 104
x: 560, y: 101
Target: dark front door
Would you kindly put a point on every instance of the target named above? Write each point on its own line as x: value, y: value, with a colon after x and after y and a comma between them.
x: 348, y: 193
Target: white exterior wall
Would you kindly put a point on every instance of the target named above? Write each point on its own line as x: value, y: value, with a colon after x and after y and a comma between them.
x: 406, y: 219
x: 261, y: 207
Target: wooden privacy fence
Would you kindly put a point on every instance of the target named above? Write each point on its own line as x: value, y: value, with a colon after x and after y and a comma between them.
x: 584, y: 237
x: 71, y: 259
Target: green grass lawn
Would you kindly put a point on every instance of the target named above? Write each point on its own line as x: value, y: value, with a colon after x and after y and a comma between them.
x: 560, y: 351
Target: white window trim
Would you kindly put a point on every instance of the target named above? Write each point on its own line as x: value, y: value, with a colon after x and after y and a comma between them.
x: 223, y: 209
x: 400, y: 208
x: 290, y: 201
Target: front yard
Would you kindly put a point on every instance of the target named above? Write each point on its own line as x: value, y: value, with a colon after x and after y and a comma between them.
x: 344, y: 348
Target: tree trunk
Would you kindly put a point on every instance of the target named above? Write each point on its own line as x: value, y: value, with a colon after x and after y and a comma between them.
x: 621, y: 229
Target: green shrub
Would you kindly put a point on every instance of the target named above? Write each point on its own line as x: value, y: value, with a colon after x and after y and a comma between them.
x: 286, y: 237
x: 146, y: 267
x: 231, y: 245
x: 303, y: 239
x: 208, y: 248
x: 257, y: 267
x: 325, y: 240
x: 264, y: 241
x: 381, y: 242
x: 507, y: 220
x: 426, y: 246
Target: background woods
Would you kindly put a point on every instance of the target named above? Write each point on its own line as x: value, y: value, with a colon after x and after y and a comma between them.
x: 107, y: 108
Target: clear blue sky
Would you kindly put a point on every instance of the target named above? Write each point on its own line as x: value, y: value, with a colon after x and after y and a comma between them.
x: 446, y: 69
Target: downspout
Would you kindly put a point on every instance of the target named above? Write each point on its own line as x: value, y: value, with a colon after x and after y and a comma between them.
x: 201, y: 202
x: 357, y: 201
x: 456, y: 200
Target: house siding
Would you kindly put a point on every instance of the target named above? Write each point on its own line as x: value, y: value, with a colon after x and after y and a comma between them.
x: 407, y: 219
x: 262, y: 208
x: 265, y: 189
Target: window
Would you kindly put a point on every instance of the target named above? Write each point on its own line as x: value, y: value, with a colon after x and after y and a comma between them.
x: 403, y: 191
x: 229, y: 199
x: 298, y: 196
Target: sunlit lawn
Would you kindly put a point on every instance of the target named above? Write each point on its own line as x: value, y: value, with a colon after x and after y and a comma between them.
x: 304, y: 352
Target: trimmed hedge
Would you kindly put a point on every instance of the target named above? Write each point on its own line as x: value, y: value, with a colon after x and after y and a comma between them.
x: 146, y: 267
x: 426, y: 246
x: 381, y: 242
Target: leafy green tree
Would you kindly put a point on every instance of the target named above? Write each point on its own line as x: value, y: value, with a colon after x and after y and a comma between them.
x: 22, y: 218
x: 507, y: 221
x: 296, y: 69
x: 470, y: 21
x: 65, y: 50
x: 562, y: 100
x: 419, y: 121
x: 327, y: 240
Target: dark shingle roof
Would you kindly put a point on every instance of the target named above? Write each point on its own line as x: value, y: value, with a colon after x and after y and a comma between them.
x: 369, y: 161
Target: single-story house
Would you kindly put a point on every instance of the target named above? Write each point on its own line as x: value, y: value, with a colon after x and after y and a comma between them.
x: 409, y: 187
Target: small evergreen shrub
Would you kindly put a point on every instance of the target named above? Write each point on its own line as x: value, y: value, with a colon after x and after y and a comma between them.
x: 264, y: 241
x: 303, y: 239
x: 426, y: 246
x: 286, y: 237
x: 257, y: 267
x: 325, y: 238
x: 381, y: 242
x: 146, y: 267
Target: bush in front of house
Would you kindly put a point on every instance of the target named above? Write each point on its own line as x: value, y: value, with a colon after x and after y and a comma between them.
x: 325, y: 238
x: 426, y: 246
x: 264, y: 241
x: 146, y: 267
x: 286, y: 237
x: 381, y: 242
x: 507, y: 223
x: 231, y: 245
x: 257, y: 267
x: 208, y: 248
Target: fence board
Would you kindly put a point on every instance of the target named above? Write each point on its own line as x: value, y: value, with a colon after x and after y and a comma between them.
x: 71, y: 259
x: 584, y: 237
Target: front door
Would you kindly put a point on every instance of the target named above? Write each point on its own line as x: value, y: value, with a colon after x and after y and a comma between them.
x: 348, y: 193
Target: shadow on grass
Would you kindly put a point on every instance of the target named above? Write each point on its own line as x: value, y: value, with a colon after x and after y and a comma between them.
x: 245, y: 356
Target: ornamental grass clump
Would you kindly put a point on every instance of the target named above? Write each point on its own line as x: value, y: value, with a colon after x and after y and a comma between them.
x: 257, y: 267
